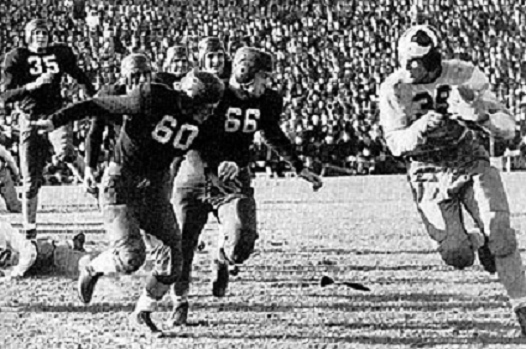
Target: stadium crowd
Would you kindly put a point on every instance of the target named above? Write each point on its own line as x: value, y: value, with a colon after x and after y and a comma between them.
x: 331, y: 57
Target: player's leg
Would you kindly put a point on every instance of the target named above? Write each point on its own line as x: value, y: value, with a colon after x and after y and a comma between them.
x: 157, y: 218
x: 237, y: 238
x: 8, y: 191
x: 127, y: 251
x: 62, y: 141
x: 34, y: 151
x: 192, y: 215
x: 488, y: 204
x: 444, y: 223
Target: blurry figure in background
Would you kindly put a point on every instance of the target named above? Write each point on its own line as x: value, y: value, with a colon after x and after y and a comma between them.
x: 213, y: 59
x: 175, y: 67
x: 9, y: 176
x: 439, y: 115
x: 20, y: 257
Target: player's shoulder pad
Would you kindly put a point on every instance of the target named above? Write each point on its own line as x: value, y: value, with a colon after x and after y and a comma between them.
x: 458, y: 71
x: 15, y: 54
x: 393, y: 86
x: 273, y: 103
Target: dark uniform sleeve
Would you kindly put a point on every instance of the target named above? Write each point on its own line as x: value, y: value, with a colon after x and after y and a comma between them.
x: 13, y: 89
x: 94, y: 140
x: 72, y: 68
x: 274, y: 136
x: 107, y: 107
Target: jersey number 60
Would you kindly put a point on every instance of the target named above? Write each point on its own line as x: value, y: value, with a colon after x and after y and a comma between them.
x: 166, y: 128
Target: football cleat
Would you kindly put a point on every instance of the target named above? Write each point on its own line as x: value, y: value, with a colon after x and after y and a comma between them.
x: 142, y: 322
x: 86, y: 284
x: 179, y: 315
x: 486, y: 258
x: 220, y: 276
x: 521, y: 316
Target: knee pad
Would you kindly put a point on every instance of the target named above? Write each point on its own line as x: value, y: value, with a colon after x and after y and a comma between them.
x: 458, y: 254
x: 131, y: 257
x: 502, y: 238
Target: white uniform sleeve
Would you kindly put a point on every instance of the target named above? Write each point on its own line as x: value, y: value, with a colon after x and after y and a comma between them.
x: 401, y: 137
x: 491, y: 113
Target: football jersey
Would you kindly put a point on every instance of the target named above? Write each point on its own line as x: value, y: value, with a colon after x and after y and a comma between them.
x: 154, y: 131
x: 23, y: 66
x: 234, y: 125
x: 461, y: 89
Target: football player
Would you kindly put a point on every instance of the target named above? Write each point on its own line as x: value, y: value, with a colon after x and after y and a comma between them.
x: 175, y: 67
x: 439, y: 115
x: 135, y: 69
x: 216, y: 176
x: 212, y: 57
x: 160, y: 124
x: 20, y: 257
x: 32, y: 79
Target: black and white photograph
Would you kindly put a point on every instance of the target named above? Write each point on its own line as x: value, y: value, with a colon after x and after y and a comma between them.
x: 262, y: 174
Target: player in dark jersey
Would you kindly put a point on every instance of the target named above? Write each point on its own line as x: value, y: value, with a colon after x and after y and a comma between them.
x: 175, y: 67
x: 160, y: 124
x: 133, y: 67
x: 247, y: 106
x: 32, y: 78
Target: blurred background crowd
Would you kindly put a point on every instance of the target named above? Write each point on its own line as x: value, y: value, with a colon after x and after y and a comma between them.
x: 331, y: 56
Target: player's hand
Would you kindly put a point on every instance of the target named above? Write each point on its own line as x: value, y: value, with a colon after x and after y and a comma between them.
x: 42, y: 80
x: 90, y: 180
x: 227, y: 170
x: 311, y: 177
x: 226, y: 187
x: 42, y: 126
x: 433, y: 120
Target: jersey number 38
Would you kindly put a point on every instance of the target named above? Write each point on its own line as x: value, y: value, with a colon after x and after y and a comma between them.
x: 165, y: 130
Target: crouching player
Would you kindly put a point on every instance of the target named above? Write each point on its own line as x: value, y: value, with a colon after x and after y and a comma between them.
x: 215, y: 177
x: 160, y: 124
x: 439, y: 114
x: 20, y: 257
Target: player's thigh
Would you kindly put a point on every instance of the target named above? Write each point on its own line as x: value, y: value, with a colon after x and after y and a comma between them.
x: 62, y: 141
x: 120, y: 213
x: 486, y: 201
x: 191, y: 212
x: 34, y: 152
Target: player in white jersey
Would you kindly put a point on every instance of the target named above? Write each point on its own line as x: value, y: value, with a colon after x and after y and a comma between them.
x: 20, y: 257
x: 440, y: 115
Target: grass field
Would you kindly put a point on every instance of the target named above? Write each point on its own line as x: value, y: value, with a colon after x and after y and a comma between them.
x: 362, y: 229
